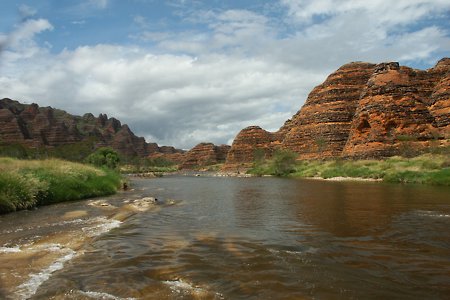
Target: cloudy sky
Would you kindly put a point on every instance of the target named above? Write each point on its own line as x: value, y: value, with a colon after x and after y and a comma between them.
x: 180, y: 72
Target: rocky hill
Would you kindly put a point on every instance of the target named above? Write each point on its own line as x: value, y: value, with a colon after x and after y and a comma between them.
x: 46, y: 127
x: 362, y: 110
x: 204, y: 154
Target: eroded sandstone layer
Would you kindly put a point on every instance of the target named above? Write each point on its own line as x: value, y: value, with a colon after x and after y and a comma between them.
x: 322, y: 126
x: 204, y: 154
x: 251, y: 143
x: 394, y: 113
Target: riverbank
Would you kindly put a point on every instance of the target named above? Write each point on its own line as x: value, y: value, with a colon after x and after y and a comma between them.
x: 25, y: 184
x: 432, y: 169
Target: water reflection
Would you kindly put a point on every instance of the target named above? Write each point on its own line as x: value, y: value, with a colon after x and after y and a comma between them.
x: 260, y: 238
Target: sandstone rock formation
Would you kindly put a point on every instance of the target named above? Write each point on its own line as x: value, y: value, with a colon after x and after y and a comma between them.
x: 322, y: 126
x: 176, y: 158
x: 46, y: 127
x: 250, y: 143
x: 204, y: 154
x: 361, y: 110
x: 394, y: 113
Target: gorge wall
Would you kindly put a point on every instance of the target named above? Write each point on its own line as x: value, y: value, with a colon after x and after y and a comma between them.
x: 45, y: 127
x: 362, y: 110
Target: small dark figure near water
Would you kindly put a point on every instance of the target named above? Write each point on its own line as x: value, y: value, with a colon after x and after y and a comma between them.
x: 125, y: 186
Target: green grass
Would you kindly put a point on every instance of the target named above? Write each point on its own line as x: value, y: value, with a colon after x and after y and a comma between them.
x: 133, y: 169
x: 26, y: 184
x: 428, y: 168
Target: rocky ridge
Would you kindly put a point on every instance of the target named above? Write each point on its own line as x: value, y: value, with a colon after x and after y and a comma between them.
x: 46, y: 127
x: 362, y: 110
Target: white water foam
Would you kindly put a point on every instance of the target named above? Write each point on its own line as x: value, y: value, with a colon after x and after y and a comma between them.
x: 104, y: 225
x: 10, y: 249
x: 180, y: 286
x: 432, y: 214
x: 12, y: 230
x: 29, y: 288
x: 102, y: 296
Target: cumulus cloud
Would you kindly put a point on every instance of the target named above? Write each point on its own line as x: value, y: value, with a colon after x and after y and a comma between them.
x: 232, y: 69
x: 173, y: 99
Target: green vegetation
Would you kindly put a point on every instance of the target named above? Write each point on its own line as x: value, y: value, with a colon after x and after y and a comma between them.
x: 148, y: 165
x: 104, y: 157
x: 426, y: 169
x: 26, y: 184
x: 282, y: 163
x: 73, y: 152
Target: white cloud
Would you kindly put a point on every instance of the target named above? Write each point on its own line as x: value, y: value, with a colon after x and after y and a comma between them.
x: 242, y: 68
x: 178, y: 99
x: 20, y: 44
x: 382, y: 12
x: 141, y: 21
x: 26, y: 11
x: 102, y: 4
x: 79, y: 22
x: 25, y: 33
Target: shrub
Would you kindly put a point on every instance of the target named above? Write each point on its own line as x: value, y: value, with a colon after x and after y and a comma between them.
x: 104, y: 157
x: 284, y: 162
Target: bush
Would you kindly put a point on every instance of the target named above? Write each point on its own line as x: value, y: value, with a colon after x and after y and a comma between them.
x: 284, y: 162
x: 104, y: 157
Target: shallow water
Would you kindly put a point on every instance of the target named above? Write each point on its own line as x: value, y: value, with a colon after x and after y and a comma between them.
x: 234, y: 238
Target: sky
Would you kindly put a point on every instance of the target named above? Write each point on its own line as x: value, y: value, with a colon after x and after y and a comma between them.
x: 181, y: 72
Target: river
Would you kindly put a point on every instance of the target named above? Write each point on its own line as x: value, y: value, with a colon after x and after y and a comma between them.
x: 233, y: 238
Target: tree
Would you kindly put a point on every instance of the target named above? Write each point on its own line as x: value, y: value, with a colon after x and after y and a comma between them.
x: 284, y: 162
x: 104, y: 157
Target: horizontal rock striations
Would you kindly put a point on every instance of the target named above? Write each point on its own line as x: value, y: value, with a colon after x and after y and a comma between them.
x: 394, y: 113
x: 362, y: 110
x: 40, y: 127
x: 322, y: 126
x: 204, y: 154
x: 250, y: 143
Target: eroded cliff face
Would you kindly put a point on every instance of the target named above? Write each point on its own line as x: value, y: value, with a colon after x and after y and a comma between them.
x: 251, y: 142
x: 440, y: 98
x: 321, y: 127
x: 204, y: 154
x: 394, y: 113
x: 361, y: 110
x: 36, y: 127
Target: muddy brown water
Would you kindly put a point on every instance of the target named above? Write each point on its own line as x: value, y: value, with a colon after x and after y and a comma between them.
x: 233, y: 238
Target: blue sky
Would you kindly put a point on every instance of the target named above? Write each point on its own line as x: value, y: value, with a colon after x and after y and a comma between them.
x: 181, y: 72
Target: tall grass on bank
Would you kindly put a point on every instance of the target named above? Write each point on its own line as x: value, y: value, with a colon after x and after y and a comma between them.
x: 431, y: 169
x: 26, y: 184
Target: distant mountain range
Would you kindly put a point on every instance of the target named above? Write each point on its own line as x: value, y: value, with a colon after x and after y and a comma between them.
x: 362, y: 110
x: 46, y: 127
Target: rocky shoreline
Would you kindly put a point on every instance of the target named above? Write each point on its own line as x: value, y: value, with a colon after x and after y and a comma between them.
x: 243, y: 175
